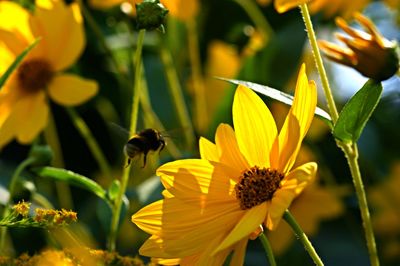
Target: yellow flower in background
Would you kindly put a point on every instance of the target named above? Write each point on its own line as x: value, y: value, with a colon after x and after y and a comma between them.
x: 343, y: 8
x: 367, y: 52
x: 24, y: 98
x: 212, y: 205
x: 53, y: 258
x: 180, y: 9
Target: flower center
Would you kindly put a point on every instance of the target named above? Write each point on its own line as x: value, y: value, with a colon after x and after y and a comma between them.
x: 257, y: 185
x: 34, y: 75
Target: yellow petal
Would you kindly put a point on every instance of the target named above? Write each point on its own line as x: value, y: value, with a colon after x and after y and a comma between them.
x: 188, y: 231
x: 208, y: 150
x: 7, y: 126
x: 182, y: 9
x: 196, y: 177
x: 238, y: 253
x: 61, y: 26
x: 249, y: 222
x: 297, y: 122
x: 291, y: 186
x: 30, y: 116
x: 173, y: 217
x: 228, y: 148
x: 284, y: 5
x: 14, y: 18
x: 71, y: 90
x: 254, y: 126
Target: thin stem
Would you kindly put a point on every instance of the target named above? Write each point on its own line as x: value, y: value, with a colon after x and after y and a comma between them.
x: 134, y: 116
x: 258, y: 18
x: 177, y: 95
x: 11, y: 190
x: 200, y: 103
x: 268, y: 250
x: 351, y: 152
x: 154, y: 120
x: 302, y: 237
x: 87, y: 135
x: 63, y: 190
x: 320, y: 65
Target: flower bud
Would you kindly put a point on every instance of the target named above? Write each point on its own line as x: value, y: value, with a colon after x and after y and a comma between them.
x: 150, y: 14
x: 368, y: 52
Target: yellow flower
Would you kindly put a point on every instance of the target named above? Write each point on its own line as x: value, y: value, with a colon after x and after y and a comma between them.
x: 369, y: 53
x: 283, y: 5
x: 343, y: 8
x: 180, y: 9
x: 212, y: 205
x: 24, y: 98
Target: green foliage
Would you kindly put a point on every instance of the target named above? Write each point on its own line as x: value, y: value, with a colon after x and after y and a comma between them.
x: 357, y: 111
x: 16, y: 62
x: 73, y: 179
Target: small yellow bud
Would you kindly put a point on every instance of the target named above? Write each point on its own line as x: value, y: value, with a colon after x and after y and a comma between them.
x: 368, y: 52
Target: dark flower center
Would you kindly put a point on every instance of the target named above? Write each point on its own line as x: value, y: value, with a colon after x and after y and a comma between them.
x: 34, y: 75
x: 257, y: 185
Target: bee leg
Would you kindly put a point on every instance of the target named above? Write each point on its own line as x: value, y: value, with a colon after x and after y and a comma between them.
x: 144, y: 159
x: 128, y: 162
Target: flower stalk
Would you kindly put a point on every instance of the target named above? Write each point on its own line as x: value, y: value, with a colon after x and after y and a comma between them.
x: 137, y: 61
x: 267, y: 248
x: 302, y: 237
x: 87, y: 135
x: 350, y: 150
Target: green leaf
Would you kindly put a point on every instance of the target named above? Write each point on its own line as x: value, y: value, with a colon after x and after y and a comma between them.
x: 114, y: 189
x: 16, y: 62
x: 277, y: 95
x: 357, y: 111
x: 72, y: 178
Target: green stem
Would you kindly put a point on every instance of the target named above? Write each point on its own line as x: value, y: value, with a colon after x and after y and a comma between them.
x: 134, y: 117
x: 302, y: 237
x: 11, y: 189
x: 351, y: 152
x: 320, y: 65
x: 268, y: 250
x: 258, y: 18
x: 177, y: 95
x: 51, y: 137
x: 87, y: 135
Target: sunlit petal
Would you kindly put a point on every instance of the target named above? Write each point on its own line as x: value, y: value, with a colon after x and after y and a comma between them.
x: 228, y: 148
x: 255, y: 127
x: 194, y: 177
x: 71, y: 90
x: 208, y: 150
x: 239, y: 253
x: 249, y: 222
x: 291, y: 186
x: 297, y: 122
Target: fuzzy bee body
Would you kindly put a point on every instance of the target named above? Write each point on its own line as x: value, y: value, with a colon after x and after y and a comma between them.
x: 143, y: 142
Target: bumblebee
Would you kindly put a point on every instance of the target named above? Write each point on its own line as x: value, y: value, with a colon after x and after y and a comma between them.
x: 143, y: 142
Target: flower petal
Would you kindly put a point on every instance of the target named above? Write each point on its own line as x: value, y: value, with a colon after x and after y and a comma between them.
x: 238, y: 253
x: 284, y: 5
x: 71, y: 90
x: 28, y: 117
x: 208, y: 150
x: 249, y: 223
x: 61, y: 26
x: 291, y: 186
x: 254, y: 126
x: 182, y: 228
x: 15, y: 18
x: 297, y: 122
x: 198, y: 178
x: 228, y: 148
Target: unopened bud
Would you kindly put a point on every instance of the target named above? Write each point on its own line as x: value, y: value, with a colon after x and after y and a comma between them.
x: 150, y: 14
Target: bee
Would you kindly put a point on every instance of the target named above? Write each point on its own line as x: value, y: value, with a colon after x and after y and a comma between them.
x: 143, y: 142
